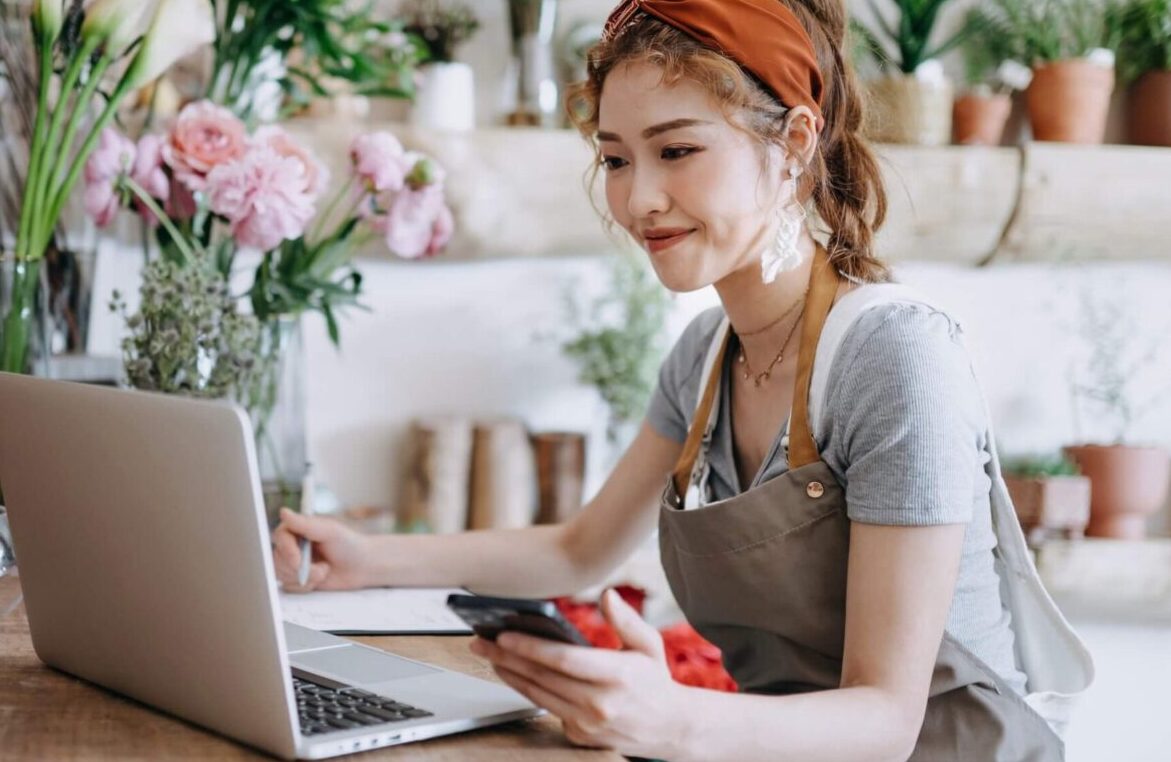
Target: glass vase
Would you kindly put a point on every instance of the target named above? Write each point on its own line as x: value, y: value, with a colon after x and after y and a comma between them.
x: 23, y: 319
x: 277, y: 410
x: 531, y: 24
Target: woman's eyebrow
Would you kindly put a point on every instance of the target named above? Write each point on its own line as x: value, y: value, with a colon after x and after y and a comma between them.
x: 657, y: 129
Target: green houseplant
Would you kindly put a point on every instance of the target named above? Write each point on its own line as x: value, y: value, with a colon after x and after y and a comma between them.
x: 990, y: 76
x: 1129, y: 482
x: 618, y: 344
x: 912, y: 100
x: 1143, y: 29
x: 306, y: 49
x: 1068, y: 45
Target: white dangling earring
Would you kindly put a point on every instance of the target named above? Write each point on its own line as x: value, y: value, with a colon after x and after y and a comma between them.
x: 783, y: 255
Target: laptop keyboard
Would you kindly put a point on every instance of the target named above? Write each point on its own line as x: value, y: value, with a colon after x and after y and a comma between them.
x: 325, y: 710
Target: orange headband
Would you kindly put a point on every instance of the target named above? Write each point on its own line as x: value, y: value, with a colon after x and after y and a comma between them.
x: 762, y: 36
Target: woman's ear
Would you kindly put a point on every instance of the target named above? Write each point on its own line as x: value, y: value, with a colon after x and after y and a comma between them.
x: 801, y: 134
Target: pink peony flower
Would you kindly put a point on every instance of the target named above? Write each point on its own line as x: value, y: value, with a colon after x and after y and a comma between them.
x: 203, y: 137
x: 441, y: 232
x: 283, y: 143
x: 417, y: 223
x: 113, y: 157
x: 263, y: 196
x: 147, y: 171
x: 379, y: 161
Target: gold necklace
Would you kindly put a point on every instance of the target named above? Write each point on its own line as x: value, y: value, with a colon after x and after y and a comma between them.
x: 757, y: 378
x: 784, y: 315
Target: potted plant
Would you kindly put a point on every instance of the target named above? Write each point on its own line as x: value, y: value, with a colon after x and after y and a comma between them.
x: 1143, y: 28
x: 1068, y: 45
x: 1049, y: 495
x: 982, y: 109
x: 447, y: 95
x: 1129, y: 482
x: 912, y: 99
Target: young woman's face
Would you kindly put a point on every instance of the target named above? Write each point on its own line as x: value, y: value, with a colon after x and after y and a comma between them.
x: 684, y: 183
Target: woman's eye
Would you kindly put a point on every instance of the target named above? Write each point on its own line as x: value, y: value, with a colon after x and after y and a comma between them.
x: 611, y: 163
x: 672, y: 153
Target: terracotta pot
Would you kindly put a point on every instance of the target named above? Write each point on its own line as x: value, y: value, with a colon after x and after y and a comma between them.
x: 1050, y: 505
x: 1068, y: 101
x: 980, y: 119
x: 1128, y: 484
x: 903, y: 109
x: 1148, y: 115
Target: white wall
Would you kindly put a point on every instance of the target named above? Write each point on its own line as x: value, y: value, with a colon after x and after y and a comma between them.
x: 477, y: 339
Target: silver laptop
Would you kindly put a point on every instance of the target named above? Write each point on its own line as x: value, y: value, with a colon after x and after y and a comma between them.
x: 146, y: 567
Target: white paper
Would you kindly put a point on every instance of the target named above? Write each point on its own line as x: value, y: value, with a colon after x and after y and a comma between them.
x: 375, y: 611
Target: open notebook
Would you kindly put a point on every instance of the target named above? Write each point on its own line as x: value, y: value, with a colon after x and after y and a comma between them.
x: 375, y: 611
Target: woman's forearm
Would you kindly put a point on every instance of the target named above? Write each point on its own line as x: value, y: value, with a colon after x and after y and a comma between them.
x: 533, y: 562
x: 858, y: 723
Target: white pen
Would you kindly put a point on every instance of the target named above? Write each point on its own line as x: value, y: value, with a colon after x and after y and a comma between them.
x: 306, y: 510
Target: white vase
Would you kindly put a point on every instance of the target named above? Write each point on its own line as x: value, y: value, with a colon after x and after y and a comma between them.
x: 446, y: 98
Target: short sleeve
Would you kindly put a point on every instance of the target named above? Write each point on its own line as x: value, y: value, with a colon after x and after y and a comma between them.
x: 910, y: 418
x: 672, y: 402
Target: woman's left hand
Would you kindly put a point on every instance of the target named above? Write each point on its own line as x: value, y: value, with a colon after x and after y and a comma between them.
x: 624, y: 700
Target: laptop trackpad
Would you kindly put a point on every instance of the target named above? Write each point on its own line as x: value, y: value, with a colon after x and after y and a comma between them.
x: 358, y: 664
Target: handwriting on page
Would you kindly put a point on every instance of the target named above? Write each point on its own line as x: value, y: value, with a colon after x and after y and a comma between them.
x: 374, y: 611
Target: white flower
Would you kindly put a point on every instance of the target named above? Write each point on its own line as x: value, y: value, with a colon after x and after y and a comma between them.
x: 178, y: 28
x: 1103, y: 57
x: 930, y: 72
x: 117, y: 23
x: 1014, y: 74
x: 48, y: 16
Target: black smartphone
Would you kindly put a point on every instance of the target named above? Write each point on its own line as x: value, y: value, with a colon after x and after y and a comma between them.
x: 488, y: 617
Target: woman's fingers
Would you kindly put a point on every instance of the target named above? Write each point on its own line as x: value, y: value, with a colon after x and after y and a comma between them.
x: 596, y: 665
x: 538, y: 693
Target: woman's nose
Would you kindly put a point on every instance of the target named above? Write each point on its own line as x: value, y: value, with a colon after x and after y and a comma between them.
x: 648, y: 196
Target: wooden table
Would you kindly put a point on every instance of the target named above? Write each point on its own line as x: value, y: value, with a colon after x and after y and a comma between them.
x: 48, y: 715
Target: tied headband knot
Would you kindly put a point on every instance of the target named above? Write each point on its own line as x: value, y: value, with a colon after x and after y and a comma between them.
x: 762, y: 36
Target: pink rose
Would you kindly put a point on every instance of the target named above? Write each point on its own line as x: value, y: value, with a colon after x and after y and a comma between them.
x: 203, y: 137
x: 379, y: 161
x: 417, y: 223
x: 147, y: 171
x: 282, y: 142
x: 263, y: 196
x: 114, y: 155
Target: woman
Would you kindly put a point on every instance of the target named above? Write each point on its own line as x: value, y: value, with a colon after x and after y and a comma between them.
x: 848, y: 577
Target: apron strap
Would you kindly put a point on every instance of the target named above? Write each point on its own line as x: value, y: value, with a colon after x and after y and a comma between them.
x: 823, y: 287
x: 682, y: 473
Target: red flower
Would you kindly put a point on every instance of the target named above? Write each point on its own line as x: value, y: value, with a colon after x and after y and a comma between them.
x: 691, y: 659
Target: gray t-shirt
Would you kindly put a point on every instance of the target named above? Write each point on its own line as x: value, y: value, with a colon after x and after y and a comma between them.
x: 904, y: 432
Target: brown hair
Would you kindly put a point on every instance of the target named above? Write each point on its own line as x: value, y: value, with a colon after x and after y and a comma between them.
x: 843, y: 179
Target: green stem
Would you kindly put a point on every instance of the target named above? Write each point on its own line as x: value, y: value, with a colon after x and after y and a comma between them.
x: 88, y: 146
x: 149, y: 202
x: 36, y: 156
x: 329, y: 210
x: 59, y: 157
x: 25, y: 277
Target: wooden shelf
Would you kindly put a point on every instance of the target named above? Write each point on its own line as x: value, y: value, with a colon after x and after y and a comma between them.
x: 521, y: 193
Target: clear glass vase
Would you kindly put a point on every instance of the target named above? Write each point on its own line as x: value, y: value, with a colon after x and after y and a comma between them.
x: 23, y: 318
x: 277, y: 408
x: 532, y: 24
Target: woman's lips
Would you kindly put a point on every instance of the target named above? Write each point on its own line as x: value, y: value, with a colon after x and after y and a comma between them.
x: 655, y: 245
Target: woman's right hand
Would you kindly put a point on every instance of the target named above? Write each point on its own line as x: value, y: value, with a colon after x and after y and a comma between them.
x: 339, y: 553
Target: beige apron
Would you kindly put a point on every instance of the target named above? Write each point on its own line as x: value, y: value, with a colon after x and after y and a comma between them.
x: 762, y: 575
